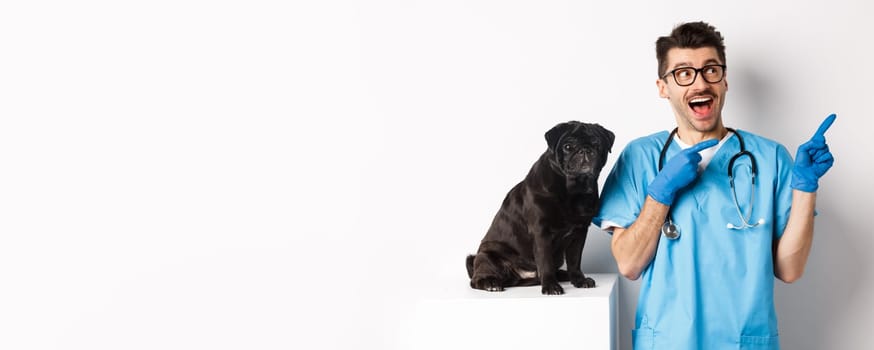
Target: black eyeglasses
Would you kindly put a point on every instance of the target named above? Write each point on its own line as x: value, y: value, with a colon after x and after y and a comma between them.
x: 685, y: 76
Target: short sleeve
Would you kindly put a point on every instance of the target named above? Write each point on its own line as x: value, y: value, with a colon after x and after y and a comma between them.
x: 624, y: 190
x: 783, y: 190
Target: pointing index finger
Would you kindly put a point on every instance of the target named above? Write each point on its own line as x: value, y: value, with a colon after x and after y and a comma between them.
x: 703, y: 145
x: 827, y: 123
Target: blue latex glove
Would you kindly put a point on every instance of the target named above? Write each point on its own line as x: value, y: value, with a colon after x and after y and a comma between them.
x: 677, y: 173
x: 812, y: 160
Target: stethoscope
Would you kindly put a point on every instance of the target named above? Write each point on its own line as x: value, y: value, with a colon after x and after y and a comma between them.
x: 672, y: 230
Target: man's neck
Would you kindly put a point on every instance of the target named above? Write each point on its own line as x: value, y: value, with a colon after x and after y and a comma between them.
x: 691, y: 136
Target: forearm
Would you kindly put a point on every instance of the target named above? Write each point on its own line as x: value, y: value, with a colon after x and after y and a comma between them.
x: 793, y: 248
x: 634, y: 247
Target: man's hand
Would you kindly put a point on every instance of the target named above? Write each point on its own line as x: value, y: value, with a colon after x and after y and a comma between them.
x: 677, y: 173
x: 812, y: 160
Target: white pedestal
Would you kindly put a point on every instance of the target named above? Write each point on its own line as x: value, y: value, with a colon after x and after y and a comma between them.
x: 458, y: 317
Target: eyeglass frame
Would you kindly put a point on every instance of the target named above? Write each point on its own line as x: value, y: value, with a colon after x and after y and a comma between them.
x: 697, y: 70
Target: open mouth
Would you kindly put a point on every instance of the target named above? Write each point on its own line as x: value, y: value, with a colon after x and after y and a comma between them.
x: 701, y: 105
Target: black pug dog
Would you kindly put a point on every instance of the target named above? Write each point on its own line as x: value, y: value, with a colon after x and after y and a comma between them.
x: 545, y: 218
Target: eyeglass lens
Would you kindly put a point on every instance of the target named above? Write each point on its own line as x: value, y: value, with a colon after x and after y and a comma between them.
x: 710, y: 73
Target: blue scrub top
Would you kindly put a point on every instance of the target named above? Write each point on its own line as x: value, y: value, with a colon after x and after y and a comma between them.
x: 713, y: 288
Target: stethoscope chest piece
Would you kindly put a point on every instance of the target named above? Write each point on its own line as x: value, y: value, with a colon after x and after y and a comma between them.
x: 670, y: 230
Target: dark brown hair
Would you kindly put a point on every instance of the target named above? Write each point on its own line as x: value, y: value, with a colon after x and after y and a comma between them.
x: 692, y: 35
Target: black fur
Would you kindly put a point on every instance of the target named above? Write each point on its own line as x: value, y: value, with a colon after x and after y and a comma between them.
x: 544, y: 219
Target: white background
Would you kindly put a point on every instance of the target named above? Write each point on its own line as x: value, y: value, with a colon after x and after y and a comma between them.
x: 275, y: 175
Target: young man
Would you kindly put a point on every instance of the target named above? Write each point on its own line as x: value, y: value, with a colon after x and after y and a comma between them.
x: 708, y: 215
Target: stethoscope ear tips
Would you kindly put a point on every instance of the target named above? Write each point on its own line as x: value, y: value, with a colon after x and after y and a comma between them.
x: 761, y: 221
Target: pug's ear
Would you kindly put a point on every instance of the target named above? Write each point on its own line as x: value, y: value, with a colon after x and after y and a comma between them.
x: 607, y: 136
x: 553, y: 136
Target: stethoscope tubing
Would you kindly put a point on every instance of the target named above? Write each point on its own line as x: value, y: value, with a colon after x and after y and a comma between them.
x: 672, y: 231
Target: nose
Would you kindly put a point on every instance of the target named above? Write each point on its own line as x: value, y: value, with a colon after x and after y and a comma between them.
x: 584, y: 158
x: 699, y: 83
x: 585, y: 162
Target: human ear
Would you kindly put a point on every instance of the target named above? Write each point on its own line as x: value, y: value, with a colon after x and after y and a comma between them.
x: 663, y: 89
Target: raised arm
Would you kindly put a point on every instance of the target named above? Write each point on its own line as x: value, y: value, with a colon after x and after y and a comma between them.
x: 812, y: 161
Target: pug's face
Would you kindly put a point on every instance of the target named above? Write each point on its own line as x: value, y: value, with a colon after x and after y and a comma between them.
x: 579, y: 149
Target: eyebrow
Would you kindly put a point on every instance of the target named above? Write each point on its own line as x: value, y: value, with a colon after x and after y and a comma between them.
x: 687, y: 64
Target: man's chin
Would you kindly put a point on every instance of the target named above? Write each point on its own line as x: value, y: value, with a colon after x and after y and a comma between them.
x: 705, y: 125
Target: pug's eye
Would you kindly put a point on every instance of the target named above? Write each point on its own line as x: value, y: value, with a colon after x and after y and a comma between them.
x: 569, y: 147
